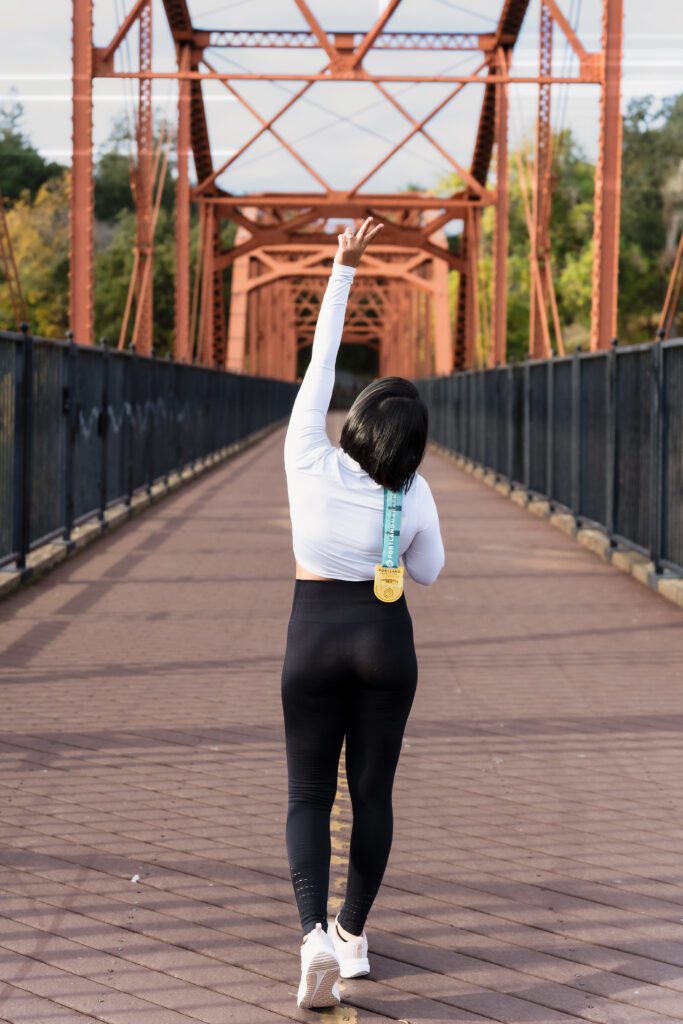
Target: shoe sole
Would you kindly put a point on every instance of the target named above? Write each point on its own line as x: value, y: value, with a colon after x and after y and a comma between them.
x: 355, y: 968
x: 321, y: 976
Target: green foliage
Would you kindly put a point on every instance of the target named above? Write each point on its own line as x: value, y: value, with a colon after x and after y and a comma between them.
x: 113, y: 193
x: 651, y: 211
x: 39, y: 227
x: 113, y: 266
x: 571, y: 244
x: 22, y: 168
x: 651, y: 205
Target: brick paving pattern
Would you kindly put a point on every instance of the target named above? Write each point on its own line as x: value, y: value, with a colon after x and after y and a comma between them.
x: 536, y: 871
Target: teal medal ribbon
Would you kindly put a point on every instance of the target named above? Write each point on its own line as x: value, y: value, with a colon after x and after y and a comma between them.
x: 388, y: 585
x: 393, y: 505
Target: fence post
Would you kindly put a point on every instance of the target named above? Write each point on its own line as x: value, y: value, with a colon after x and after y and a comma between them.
x: 462, y: 412
x: 527, y: 429
x: 657, y: 434
x: 151, y: 407
x: 611, y: 455
x: 23, y: 420
x: 178, y: 453
x: 494, y: 420
x: 480, y: 413
x: 169, y: 427
x: 70, y: 410
x: 511, y: 424
x: 576, y: 438
x: 214, y: 406
x: 486, y: 424
x: 129, y: 408
x: 103, y: 429
x: 17, y: 449
x: 550, y: 435
x: 472, y: 416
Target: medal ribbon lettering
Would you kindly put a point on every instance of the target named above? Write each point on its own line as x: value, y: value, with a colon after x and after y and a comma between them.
x: 389, y: 575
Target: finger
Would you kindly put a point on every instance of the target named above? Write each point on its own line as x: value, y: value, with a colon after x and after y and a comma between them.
x: 364, y: 228
x: 371, y: 234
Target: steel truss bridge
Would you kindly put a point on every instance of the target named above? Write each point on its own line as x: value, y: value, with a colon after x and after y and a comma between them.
x: 284, y: 240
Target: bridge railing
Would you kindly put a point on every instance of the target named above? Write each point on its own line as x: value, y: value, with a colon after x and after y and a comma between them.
x: 598, y: 434
x: 84, y: 428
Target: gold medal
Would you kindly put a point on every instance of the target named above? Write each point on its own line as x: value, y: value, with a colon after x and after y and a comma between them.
x: 388, y: 582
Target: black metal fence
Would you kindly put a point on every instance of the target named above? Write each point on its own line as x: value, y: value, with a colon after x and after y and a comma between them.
x: 82, y: 428
x: 600, y: 434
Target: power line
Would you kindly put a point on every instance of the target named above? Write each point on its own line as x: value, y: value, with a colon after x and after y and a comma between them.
x: 466, y: 10
x: 221, y: 9
x: 337, y: 118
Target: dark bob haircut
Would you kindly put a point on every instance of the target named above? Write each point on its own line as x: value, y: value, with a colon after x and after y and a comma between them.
x: 385, y: 431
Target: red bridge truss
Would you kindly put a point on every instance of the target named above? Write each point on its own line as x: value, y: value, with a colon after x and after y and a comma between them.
x: 401, y: 306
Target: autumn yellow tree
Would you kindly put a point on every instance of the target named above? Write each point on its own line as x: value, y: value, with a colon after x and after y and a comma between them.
x: 40, y: 238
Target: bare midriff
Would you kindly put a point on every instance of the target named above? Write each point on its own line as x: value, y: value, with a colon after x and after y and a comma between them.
x: 304, y: 574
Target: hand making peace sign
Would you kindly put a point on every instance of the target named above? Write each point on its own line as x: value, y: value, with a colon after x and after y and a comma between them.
x: 352, y: 246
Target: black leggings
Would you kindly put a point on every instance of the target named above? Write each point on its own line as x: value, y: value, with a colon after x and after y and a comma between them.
x: 350, y: 670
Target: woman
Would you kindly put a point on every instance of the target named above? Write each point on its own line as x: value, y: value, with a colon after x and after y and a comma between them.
x: 350, y: 668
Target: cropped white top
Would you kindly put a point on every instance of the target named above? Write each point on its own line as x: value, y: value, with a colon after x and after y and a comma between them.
x: 336, y: 508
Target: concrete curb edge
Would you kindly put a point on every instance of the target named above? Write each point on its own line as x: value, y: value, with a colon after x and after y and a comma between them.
x: 592, y: 538
x: 46, y: 556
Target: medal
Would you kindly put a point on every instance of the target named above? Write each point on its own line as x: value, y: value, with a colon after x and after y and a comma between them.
x: 389, y: 574
x: 388, y: 583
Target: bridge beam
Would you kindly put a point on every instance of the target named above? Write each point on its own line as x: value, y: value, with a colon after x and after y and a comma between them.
x: 539, y: 256
x: 501, y: 231
x: 182, y: 215
x: 82, y: 205
x: 144, y: 186
x: 608, y: 182
x: 400, y: 299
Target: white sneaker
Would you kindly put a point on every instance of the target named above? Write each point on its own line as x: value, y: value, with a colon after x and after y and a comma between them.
x: 353, y: 955
x: 319, y: 971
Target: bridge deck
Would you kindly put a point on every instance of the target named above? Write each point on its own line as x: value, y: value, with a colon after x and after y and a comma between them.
x: 536, y: 869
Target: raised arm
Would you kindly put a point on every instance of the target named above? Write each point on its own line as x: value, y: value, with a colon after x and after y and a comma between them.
x: 306, y: 435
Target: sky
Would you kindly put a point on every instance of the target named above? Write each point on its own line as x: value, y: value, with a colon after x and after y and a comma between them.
x: 341, y: 130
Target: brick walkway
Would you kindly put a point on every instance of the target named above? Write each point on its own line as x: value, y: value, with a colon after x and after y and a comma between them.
x: 536, y: 873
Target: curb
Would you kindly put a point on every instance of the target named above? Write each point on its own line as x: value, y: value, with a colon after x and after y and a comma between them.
x: 592, y: 538
x: 46, y: 556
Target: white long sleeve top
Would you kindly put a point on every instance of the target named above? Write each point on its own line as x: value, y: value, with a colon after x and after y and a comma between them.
x: 336, y: 508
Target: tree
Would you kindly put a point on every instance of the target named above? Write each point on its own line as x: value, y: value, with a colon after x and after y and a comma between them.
x: 112, y: 186
x: 21, y: 165
x: 113, y: 266
x: 40, y: 237
x: 651, y: 159
x: 113, y: 191
x: 571, y: 242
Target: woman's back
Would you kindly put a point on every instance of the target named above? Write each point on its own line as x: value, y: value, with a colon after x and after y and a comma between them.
x: 336, y: 510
